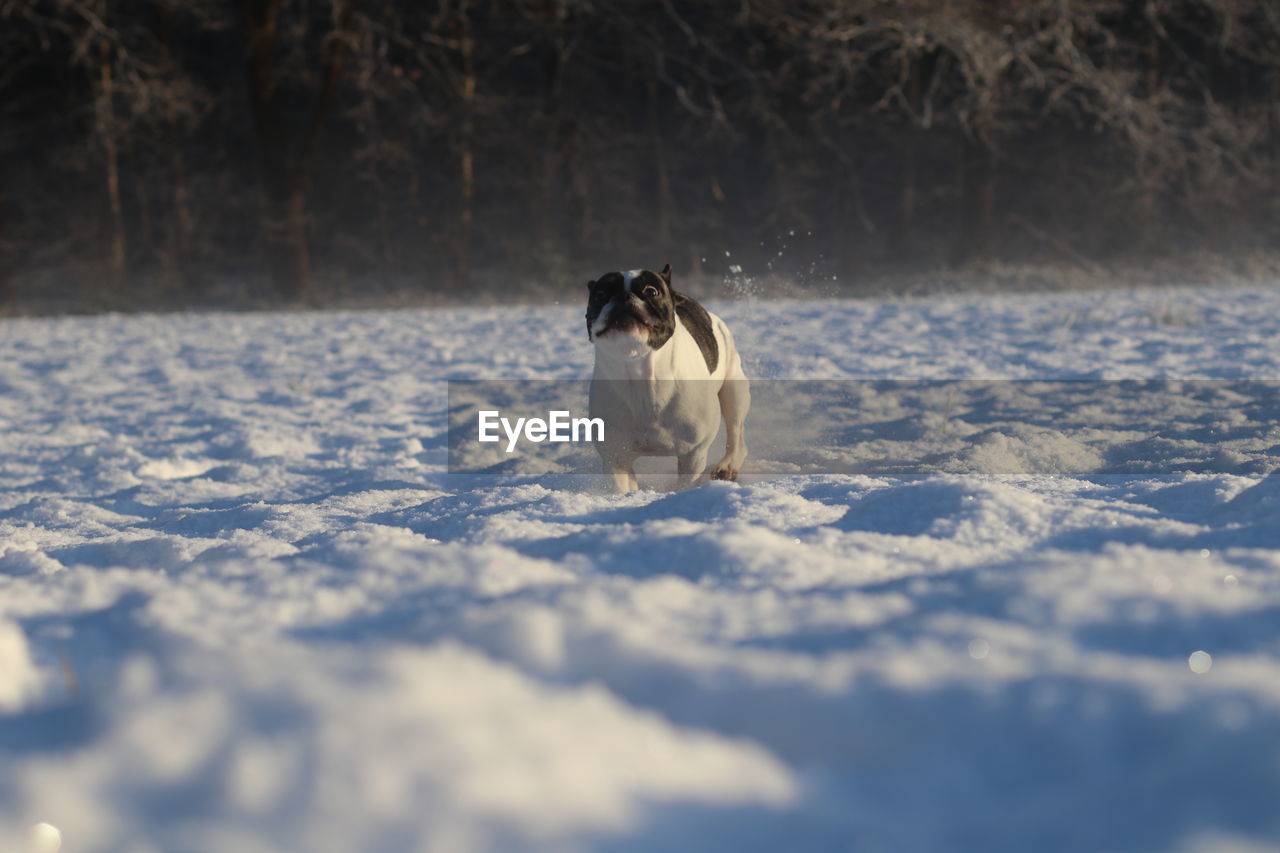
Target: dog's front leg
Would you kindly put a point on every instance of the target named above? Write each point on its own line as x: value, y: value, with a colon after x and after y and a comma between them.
x: 619, y: 472
x: 735, y: 399
x: 689, y: 466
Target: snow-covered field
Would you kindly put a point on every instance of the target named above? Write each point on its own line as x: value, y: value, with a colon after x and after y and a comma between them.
x: 243, y: 607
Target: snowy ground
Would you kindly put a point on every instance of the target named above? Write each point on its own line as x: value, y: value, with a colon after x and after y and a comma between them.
x: 244, y: 608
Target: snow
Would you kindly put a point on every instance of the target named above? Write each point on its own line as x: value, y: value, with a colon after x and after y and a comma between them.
x: 244, y: 606
x: 21, y: 677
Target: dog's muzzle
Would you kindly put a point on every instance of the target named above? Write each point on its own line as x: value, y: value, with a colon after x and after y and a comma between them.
x: 630, y: 315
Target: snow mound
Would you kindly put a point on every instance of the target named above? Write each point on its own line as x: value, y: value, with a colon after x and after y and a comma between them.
x: 175, y: 469
x: 20, y: 680
x: 1028, y: 449
x: 441, y: 748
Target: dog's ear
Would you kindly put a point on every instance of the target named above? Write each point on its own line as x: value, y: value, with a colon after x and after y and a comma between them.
x: 666, y: 274
x: 591, y: 284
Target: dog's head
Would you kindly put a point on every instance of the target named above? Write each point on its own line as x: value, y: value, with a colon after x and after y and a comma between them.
x: 630, y: 308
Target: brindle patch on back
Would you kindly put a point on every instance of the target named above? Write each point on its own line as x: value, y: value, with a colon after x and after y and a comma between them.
x: 698, y: 322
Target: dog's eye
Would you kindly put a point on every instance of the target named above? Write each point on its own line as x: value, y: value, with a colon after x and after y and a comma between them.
x: 650, y: 291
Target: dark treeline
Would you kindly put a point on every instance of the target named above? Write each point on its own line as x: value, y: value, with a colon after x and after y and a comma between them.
x: 307, y: 149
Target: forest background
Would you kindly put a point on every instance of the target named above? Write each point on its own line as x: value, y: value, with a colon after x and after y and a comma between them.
x: 240, y: 153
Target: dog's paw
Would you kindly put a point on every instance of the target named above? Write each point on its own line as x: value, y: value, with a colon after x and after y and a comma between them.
x: 724, y: 471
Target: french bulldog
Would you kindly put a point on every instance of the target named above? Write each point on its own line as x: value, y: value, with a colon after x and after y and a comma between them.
x: 666, y: 371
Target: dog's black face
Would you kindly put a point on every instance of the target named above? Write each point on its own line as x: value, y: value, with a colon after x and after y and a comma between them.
x: 638, y: 303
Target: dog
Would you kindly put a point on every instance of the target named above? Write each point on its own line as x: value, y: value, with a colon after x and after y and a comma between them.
x: 666, y: 371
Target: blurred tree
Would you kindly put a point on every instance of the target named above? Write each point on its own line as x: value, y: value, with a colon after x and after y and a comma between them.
x: 295, y: 62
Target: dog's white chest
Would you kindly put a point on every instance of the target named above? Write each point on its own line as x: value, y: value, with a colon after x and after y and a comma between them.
x: 657, y: 415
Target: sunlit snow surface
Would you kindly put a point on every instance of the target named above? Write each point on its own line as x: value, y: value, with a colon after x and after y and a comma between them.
x: 243, y: 608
